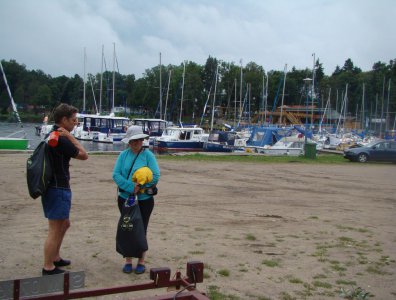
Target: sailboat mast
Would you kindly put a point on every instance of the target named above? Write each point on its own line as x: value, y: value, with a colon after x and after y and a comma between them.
x: 112, y: 107
x: 214, y: 99
x: 182, y: 93
x: 363, y: 117
x: 14, y: 108
x: 262, y: 104
x: 387, y: 107
x: 240, y: 95
x: 382, y: 106
x: 283, y: 93
x: 266, y: 101
x: 93, y: 93
x: 167, y: 94
x: 85, y: 61
x: 250, y: 101
x: 327, y: 107
x: 376, y: 113
x: 342, y: 108
x: 235, y: 102
x: 160, y: 87
x: 101, y: 82
x: 313, y: 90
x: 346, y: 105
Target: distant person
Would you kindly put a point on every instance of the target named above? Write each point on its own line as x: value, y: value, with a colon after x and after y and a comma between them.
x: 57, y: 200
x: 122, y: 174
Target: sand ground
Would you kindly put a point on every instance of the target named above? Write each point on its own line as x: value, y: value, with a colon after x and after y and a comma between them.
x: 263, y: 231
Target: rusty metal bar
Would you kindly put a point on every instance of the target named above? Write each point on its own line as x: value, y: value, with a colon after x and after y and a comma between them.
x: 66, y: 284
x: 187, y: 295
x: 17, y: 288
x: 160, y: 278
x: 108, y: 291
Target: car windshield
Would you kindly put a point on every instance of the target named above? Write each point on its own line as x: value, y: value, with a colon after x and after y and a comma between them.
x: 371, y: 144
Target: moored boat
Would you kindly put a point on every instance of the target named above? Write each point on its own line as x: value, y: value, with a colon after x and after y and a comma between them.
x: 224, y: 141
x: 181, y: 139
x: 265, y: 136
x: 152, y: 127
x: 10, y: 143
x: 290, y: 145
x: 108, y: 129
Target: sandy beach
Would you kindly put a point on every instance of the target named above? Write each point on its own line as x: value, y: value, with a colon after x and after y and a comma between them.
x: 263, y: 231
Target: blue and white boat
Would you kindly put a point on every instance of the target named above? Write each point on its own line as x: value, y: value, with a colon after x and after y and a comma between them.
x: 152, y: 127
x: 181, y: 139
x: 102, y: 129
x: 225, y: 141
x: 265, y: 136
x: 288, y: 145
x: 109, y: 129
x: 83, y: 129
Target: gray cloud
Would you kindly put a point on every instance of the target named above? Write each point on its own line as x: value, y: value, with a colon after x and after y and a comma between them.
x: 51, y: 34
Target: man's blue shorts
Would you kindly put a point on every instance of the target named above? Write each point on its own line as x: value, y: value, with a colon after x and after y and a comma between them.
x: 57, y: 203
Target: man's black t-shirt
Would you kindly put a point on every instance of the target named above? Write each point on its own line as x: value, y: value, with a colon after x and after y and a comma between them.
x: 61, y: 155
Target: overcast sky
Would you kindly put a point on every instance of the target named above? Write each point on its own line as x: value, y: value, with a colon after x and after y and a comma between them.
x: 50, y: 35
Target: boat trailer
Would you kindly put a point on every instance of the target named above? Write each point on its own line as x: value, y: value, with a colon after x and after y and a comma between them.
x: 160, y: 278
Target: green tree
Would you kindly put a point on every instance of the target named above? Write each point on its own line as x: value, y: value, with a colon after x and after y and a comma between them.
x: 43, y: 95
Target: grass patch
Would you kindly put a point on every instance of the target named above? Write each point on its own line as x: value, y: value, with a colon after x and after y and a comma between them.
x: 345, y: 228
x: 243, y: 270
x: 320, y: 159
x: 270, y: 263
x: 345, y: 239
x: 335, y: 265
x: 353, y: 293
x: 346, y: 242
x: 215, y: 294
x: 295, y: 280
x: 362, y: 259
x: 346, y: 282
x: 224, y: 272
x: 203, y: 229
x: 385, y: 259
x: 321, y: 284
x: 197, y: 252
x: 321, y: 253
x: 286, y: 296
x: 376, y: 270
x: 320, y: 276
x: 250, y: 237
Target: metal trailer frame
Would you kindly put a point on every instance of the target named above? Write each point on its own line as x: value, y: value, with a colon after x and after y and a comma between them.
x: 160, y: 277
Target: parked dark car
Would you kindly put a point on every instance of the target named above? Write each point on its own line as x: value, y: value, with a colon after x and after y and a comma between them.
x: 374, y: 151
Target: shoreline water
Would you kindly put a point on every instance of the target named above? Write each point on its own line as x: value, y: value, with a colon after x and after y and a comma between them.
x: 34, y: 140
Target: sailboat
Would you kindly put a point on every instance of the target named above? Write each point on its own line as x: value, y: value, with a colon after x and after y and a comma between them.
x: 152, y: 126
x: 96, y: 127
x: 9, y: 142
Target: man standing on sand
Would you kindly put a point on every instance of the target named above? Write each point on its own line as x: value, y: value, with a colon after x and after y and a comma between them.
x: 57, y: 200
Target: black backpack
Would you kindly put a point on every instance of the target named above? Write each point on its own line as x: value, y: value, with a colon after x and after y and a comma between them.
x: 39, y: 170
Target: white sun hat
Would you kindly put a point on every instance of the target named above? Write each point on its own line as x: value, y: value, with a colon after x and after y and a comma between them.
x: 134, y: 133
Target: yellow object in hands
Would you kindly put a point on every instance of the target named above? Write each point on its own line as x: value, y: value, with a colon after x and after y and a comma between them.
x: 142, y: 176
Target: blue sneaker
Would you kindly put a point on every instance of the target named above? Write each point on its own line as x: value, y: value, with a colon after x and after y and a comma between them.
x: 140, y: 269
x: 127, y: 268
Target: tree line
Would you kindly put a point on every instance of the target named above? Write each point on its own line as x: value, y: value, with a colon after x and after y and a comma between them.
x: 196, y: 85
